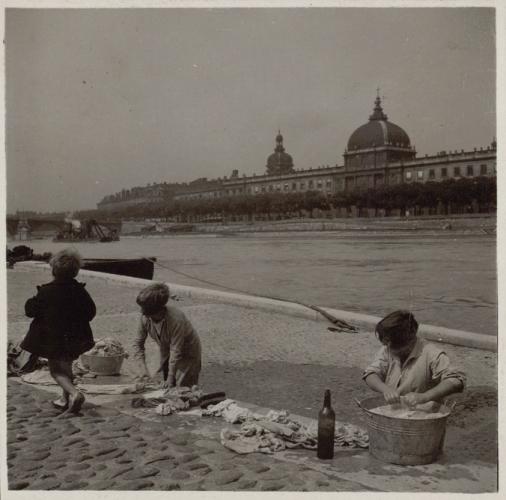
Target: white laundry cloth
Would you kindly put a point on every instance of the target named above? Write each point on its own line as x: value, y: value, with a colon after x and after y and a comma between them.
x: 230, y: 411
x: 276, y: 431
x: 39, y: 377
x: 112, y: 389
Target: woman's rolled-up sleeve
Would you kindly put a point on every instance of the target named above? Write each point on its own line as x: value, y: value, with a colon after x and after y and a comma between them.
x: 442, y: 369
x: 379, y: 365
x: 177, y: 340
x: 140, y: 340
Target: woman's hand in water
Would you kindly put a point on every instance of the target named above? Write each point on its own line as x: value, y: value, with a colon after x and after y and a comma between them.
x: 391, y: 396
x: 414, y: 398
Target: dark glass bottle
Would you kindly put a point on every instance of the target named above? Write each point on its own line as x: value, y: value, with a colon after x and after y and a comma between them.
x: 326, y: 429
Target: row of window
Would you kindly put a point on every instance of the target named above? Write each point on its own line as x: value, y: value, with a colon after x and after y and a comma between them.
x: 294, y: 186
x: 457, y: 172
x: 319, y: 184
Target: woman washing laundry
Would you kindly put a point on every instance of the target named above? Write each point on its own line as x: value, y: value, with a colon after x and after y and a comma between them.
x: 60, y: 331
x: 409, y: 367
x: 179, y: 344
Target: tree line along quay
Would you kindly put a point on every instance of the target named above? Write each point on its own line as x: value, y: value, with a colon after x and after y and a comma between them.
x: 453, y: 196
x: 382, y: 175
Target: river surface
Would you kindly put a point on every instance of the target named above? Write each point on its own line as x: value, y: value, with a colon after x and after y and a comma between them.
x: 445, y: 281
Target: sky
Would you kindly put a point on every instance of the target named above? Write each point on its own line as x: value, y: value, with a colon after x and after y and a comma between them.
x: 100, y: 100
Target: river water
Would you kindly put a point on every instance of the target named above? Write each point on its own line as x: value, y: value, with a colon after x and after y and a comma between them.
x: 445, y: 281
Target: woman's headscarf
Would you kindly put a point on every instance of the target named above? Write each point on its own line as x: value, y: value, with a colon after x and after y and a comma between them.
x: 398, y: 328
x: 153, y: 298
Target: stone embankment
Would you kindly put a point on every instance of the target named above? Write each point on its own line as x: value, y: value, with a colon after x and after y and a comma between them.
x: 266, y: 358
x: 478, y: 224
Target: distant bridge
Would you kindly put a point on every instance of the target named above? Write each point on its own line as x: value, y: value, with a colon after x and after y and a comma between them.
x: 35, y: 225
x: 48, y: 224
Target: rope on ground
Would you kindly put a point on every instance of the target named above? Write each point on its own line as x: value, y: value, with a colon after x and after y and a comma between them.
x: 338, y: 323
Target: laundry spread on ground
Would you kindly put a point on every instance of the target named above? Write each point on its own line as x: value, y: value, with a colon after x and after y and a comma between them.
x: 190, y: 394
x: 20, y: 361
x: 172, y: 406
x: 43, y: 377
x: 39, y: 377
x: 142, y: 402
x: 251, y: 439
x: 165, y: 401
x: 276, y: 431
x: 171, y: 400
x: 114, y: 389
x: 37, y: 371
x: 179, y: 399
x: 230, y: 411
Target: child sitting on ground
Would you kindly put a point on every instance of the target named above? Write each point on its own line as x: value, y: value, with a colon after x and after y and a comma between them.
x: 60, y: 331
x: 408, y: 366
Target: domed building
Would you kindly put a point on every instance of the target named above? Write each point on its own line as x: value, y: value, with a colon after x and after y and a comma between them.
x: 375, y: 145
x: 279, y: 162
x: 378, y: 153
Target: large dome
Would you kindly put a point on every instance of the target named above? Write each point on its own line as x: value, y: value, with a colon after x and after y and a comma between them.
x: 279, y: 162
x: 280, y: 159
x: 378, y: 132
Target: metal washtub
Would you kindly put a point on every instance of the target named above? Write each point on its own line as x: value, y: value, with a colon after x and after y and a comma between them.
x: 404, y: 441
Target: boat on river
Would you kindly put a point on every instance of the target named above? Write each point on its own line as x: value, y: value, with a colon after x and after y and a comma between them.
x: 87, y: 231
x: 135, y: 268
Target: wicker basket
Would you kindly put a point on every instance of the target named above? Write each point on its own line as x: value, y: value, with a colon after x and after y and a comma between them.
x: 103, y: 365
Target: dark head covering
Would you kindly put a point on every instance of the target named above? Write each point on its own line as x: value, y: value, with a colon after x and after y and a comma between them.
x: 397, y: 329
x: 153, y: 298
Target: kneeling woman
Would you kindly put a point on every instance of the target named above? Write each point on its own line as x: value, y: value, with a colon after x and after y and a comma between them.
x: 180, y: 351
x: 408, y: 366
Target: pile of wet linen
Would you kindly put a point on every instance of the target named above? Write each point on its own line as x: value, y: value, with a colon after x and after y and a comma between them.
x: 276, y: 431
x: 107, y: 347
x: 43, y: 377
x: 178, y: 399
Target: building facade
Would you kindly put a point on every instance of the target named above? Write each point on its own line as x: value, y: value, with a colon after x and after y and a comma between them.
x: 378, y: 153
x: 145, y: 195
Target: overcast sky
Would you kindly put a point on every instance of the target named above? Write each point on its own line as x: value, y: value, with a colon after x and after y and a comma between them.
x: 101, y: 100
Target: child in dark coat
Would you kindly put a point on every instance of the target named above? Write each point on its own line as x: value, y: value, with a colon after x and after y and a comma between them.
x: 61, y: 332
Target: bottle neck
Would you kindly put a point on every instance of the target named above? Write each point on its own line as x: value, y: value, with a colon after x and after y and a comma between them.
x: 326, y: 399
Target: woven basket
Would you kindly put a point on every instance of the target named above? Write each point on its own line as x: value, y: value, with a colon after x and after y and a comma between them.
x: 103, y: 365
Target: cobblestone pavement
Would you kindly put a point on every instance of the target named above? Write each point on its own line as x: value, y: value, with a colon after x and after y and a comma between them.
x: 104, y: 449
x: 271, y: 360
